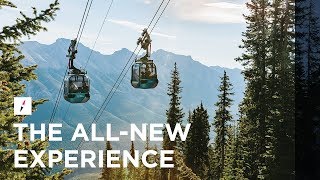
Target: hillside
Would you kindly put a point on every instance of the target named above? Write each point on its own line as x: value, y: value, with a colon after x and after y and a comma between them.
x: 128, y: 105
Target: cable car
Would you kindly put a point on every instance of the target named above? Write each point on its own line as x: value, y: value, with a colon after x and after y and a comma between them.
x: 77, y: 88
x: 144, y: 71
x: 144, y: 75
x: 76, y: 84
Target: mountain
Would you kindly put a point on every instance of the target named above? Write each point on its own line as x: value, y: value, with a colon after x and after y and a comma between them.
x: 128, y: 105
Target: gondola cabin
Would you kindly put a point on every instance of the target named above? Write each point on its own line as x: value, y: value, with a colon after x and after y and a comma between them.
x: 77, y: 88
x: 144, y: 75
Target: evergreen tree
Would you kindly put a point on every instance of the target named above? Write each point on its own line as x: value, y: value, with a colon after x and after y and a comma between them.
x: 281, y: 100
x: 156, y: 172
x: 197, y: 150
x: 12, y: 73
x: 212, y: 162
x: 232, y: 170
x: 256, y: 43
x: 221, y: 120
x: 307, y: 89
x: 146, y: 173
x: 107, y: 173
x: 303, y: 119
x: 119, y: 173
x: 183, y: 171
x: 266, y: 134
x: 152, y: 173
x: 174, y: 115
x: 132, y: 173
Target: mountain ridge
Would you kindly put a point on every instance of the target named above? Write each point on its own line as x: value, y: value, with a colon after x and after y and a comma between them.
x: 128, y: 105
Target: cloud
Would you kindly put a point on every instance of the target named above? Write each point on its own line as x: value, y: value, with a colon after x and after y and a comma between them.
x: 164, y: 35
x: 225, y: 5
x: 131, y: 25
x: 209, y: 11
x: 139, y: 28
x: 147, y: 1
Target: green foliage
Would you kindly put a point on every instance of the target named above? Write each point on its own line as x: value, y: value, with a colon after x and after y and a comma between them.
x: 12, y: 73
x: 232, y: 162
x: 156, y: 172
x: 26, y: 26
x: 197, y: 150
x: 132, y: 172
x: 266, y: 134
x: 221, y: 120
x: 150, y: 159
x: 174, y: 116
x: 153, y: 173
x: 107, y: 173
x: 183, y: 171
x: 175, y: 112
x: 307, y: 74
x: 120, y: 173
x: 6, y: 3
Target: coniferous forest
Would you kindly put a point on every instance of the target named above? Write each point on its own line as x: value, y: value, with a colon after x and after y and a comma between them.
x: 260, y: 144
x: 307, y: 89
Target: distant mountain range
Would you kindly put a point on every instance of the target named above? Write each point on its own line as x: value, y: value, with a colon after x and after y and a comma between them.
x: 128, y: 105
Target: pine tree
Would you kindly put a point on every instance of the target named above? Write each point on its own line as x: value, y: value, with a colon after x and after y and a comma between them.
x: 197, y: 144
x: 132, y: 173
x: 183, y: 171
x: 12, y: 73
x: 151, y: 173
x: 175, y: 112
x: 221, y: 120
x: 307, y: 89
x: 254, y: 106
x: 304, y: 123
x: 266, y: 134
x: 281, y: 100
x: 119, y: 173
x: 146, y: 173
x: 156, y: 172
x: 174, y: 115
x: 232, y: 170
x: 247, y: 143
x: 107, y: 173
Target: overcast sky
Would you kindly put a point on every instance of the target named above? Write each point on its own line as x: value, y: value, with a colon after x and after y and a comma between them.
x: 208, y: 30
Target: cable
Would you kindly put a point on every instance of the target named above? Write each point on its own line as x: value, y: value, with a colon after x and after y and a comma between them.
x: 85, y: 10
x: 84, y: 24
x: 99, y: 113
x: 65, y: 115
x: 103, y: 104
x: 133, y: 61
x: 107, y: 102
x: 138, y: 52
x: 92, y: 49
x: 79, y: 34
x: 127, y: 62
x: 58, y: 99
x: 155, y: 14
x: 95, y: 42
x: 118, y: 85
x: 160, y: 16
x: 115, y: 83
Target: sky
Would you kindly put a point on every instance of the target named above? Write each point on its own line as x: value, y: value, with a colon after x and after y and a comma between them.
x: 208, y: 30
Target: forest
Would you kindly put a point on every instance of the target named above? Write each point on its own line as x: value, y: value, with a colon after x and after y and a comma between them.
x: 260, y: 144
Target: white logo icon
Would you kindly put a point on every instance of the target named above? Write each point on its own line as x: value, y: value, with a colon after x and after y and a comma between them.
x: 22, y: 106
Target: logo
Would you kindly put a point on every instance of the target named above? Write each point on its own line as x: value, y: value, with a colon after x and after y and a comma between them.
x: 22, y: 106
